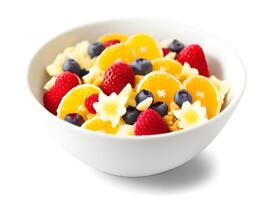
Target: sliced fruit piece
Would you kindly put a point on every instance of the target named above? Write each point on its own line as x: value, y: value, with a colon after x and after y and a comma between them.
x: 222, y: 86
x: 167, y: 65
x: 117, y: 52
x: 74, y: 100
x: 194, y: 55
x: 144, y: 46
x: 202, y: 89
x: 96, y: 124
x: 113, y: 36
x: 89, y: 102
x: 63, y: 84
x: 150, y: 122
x: 162, y: 85
x: 117, y: 76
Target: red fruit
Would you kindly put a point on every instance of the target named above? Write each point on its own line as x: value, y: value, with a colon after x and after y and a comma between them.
x: 150, y: 122
x: 64, y: 83
x: 165, y: 51
x: 117, y: 77
x: 90, y: 101
x: 110, y: 43
x: 194, y: 55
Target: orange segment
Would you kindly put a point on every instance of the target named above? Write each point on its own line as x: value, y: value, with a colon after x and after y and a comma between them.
x: 144, y: 46
x: 96, y: 124
x: 202, y: 89
x: 117, y: 52
x: 162, y: 85
x: 113, y: 36
x: 167, y: 65
x: 73, y: 101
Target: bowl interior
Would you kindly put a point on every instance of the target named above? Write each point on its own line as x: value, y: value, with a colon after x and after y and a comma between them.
x: 222, y: 61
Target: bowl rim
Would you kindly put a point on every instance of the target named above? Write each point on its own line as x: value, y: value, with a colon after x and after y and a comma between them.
x: 232, y: 104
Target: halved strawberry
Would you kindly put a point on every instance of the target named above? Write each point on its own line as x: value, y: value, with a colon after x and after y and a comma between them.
x: 64, y: 83
x: 150, y: 122
x: 194, y: 55
x: 117, y: 77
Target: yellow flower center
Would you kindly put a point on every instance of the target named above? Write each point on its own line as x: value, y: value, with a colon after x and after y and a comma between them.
x: 191, y: 116
x: 110, y: 107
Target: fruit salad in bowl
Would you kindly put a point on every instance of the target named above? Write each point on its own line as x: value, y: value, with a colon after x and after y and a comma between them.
x: 135, y: 97
x: 133, y: 85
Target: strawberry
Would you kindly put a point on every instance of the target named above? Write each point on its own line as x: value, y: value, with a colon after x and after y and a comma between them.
x: 90, y: 101
x: 64, y: 82
x: 165, y: 51
x: 150, y: 122
x: 110, y: 43
x: 117, y: 77
x: 194, y: 55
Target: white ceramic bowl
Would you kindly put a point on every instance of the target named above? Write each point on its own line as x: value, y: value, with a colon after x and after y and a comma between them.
x: 142, y: 155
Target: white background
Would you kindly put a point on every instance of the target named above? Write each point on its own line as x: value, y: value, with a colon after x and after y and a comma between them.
x: 33, y: 166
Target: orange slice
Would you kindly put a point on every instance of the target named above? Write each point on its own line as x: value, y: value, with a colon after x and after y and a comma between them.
x: 137, y: 46
x: 96, y: 124
x: 167, y: 65
x: 73, y: 101
x: 144, y: 46
x: 202, y: 89
x: 162, y: 85
x: 113, y: 36
x: 117, y: 52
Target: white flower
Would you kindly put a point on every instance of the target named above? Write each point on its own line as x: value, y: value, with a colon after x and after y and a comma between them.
x: 222, y: 86
x: 187, y: 71
x: 110, y: 108
x: 190, y: 114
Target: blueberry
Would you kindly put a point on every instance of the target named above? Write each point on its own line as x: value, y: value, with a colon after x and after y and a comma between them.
x: 83, y: 72
x: 74, y: 118
x: 160, y: 107
x: 71, y: 66
x: 95, y: 49
x: 176, y: 46
x: 131, y: 115
x: 142, y: 95
x: 182, y: 96
x: 141, y: 66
